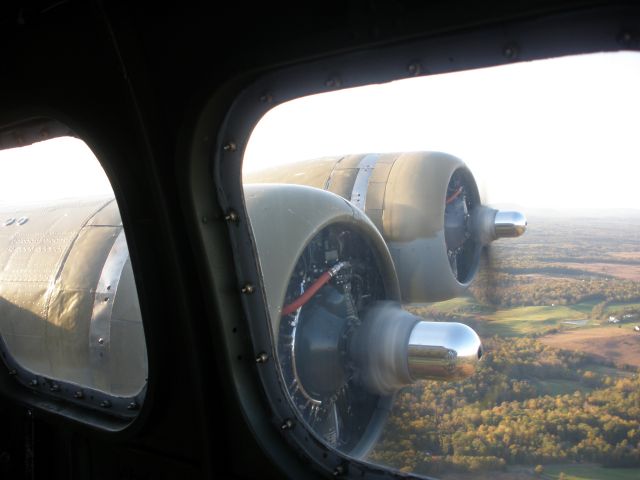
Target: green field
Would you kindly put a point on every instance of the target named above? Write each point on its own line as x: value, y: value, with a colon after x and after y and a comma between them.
x: 613, y: 306
x: 590, y: 472
x: 612, y: 372
x: 519, y: 321
x: 509, y: 322
x: 459, y: 305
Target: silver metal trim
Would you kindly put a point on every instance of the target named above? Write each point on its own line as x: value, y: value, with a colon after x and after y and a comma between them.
x: 443, y: 351
x: 361, y: 185
x: 100, y: 326
x: 509, y: 224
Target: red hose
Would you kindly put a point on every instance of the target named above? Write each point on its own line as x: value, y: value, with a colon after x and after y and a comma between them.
x: 454, y: 195
x: 309, y: 292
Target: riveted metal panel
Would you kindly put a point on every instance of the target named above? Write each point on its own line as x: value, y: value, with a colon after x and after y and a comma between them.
x: 100, y: 325
x: 59, y: 276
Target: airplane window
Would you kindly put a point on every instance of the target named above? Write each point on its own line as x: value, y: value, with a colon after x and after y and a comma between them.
x: 70, y: 322
x: 451, y: 266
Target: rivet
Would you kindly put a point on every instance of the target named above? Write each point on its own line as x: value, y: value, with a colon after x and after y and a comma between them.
x: 287, y: 424
x: 13, y: 372
x: 262, y: 357
x: 339, y: 470
x: 34, y: 382
x: 78, y: 395
x: 414, y: 68
x: 55, y: 387
x: 626, y: 37
x: 510, y: 51
x: 232, y: 216
x: 105, y: 404
x: 133, y: 406
x: 248, y: 289
x: 9, y: 221
x: 333, y: 82
x: 101, y: 341
x: 230, y: 147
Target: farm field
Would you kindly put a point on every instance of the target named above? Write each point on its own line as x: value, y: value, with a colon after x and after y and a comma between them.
x: 552, y: 472
x: 559, y: 383
x: 617, y: 270
x: 590, y: 472
x: 620, y: 345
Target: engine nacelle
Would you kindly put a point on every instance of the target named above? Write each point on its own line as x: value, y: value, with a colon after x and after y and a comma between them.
x: 427, y: 207
x: 344, y: 343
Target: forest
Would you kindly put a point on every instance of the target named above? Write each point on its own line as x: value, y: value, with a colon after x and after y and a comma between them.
x: 537, y: 400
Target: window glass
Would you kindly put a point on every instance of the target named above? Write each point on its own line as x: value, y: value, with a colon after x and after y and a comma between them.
x: 69, y: 313
x: 556, y: 392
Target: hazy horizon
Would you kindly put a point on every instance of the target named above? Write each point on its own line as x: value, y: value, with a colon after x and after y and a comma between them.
x: 558, y: 133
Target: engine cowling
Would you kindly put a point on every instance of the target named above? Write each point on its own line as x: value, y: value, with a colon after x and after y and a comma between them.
x: 426, y: 205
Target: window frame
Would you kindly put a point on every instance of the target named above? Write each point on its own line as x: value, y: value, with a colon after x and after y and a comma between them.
x: 222, y: 132
x: 108, y: 412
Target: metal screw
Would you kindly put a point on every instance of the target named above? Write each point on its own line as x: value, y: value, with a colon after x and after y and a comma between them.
x: 55, y: 387
x: 232, y: 216
x: 510, y: 51
x: 22, y: 220
x: 266, y: 98
x: 101, y: 341
x: 78, y: 395
x: 626, y: 37
x: 34, y: 382
x: 333, y: 82
x: 262, y: 357
x: 9, y: 221
x: 133, y: 406
x: 230, y: 147
x: 414, y: 68
x: 248, y: 289
x: 339, y: 470
x: 287, y: 424
x: 13, y: 372
x: 105, y: 404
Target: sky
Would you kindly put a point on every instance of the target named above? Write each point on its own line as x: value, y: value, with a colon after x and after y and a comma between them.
x: 561, y: 133
x: 54, y: 169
